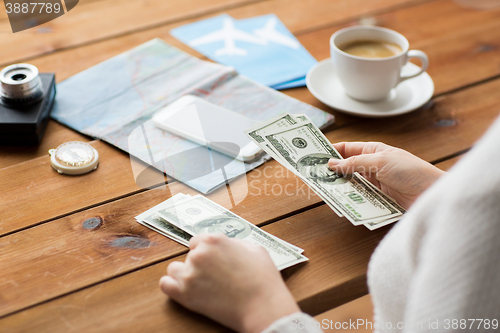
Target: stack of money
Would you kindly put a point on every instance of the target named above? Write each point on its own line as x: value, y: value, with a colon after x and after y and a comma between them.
x: 296, y: 143
x: 183, y: 216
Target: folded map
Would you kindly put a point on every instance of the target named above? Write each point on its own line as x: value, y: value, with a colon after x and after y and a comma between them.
x: 115, y: 101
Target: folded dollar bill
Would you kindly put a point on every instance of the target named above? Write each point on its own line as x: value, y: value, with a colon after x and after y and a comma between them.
x: 153, y: 220
x: 184, y: 216
x: 296, y: 143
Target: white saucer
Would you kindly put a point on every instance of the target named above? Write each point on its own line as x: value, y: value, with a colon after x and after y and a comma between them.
x: 406, y: 97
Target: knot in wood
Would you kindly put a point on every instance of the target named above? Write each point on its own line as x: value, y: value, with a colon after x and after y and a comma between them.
x: 131, y: 242
x: 486, y: 48
x: 92, y: 223
x: 446, y: 122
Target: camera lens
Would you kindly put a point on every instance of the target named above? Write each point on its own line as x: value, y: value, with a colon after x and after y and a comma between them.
x: 18, y: 77
x: 20, y: 84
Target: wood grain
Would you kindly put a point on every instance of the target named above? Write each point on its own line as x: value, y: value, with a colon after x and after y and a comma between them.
x: 47, y: 268
x: 454, y: 121
x: 33, y: 192
x: 270, y: 183
x: 40, y: 263
x: 447, y: 164
x: 336, y: 273
x: 314, y: 13
x: 101, y: 20
x: 359, y: 309
x: 57, y: 276
x: 69, y: 62
x: 112, y: 18
x: 459, y: 55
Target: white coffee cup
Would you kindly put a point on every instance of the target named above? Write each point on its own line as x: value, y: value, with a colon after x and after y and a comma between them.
x: 371, y: 79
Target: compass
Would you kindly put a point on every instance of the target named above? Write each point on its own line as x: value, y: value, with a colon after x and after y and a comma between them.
x: 74, y: 158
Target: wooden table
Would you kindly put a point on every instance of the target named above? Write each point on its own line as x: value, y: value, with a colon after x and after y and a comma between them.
x: 57, y: 274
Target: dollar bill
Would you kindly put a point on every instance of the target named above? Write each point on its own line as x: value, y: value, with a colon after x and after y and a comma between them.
x: 383, y: 222
x: 285, y: 121
x: 307, y: 151
x: 272, y: 125
x: 152, y: 220
x: 277, y: 124
x: 302, y: 117
x: 162, y: 226
x: 259, y: 132
x: 372, y: 225
x: 375, y: 225
x: 200, y: 215
x: 383, y: 195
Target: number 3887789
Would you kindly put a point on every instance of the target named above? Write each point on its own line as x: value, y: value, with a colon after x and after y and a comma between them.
x: 32, y: 7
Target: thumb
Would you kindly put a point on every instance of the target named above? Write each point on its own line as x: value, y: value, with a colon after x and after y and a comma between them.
x: 364, y: 164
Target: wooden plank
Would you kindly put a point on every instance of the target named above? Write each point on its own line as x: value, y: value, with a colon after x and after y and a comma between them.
x: 454, y: 121
x: 484, y: 112
x: 33, y: 192
x: 462, y: 49
x: 442, y: 116
x: 269, y: 192
x: 312, y: 300
x: 42, y: 266
x: 447, y: 164
x: 450, y: 47
x: 359, y: 309
x: 89, y: 55
x: 341, y: 119
x: 446, y: 64
x: 40, y: 263
x: 336, y: 273
x: 449, y: 61
x: 55, y: 134
x: 106, y: 19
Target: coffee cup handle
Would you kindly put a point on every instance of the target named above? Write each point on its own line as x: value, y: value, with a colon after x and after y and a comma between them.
x: 423, y: 58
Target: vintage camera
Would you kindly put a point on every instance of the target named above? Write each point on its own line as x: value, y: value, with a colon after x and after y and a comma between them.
x: 26, y: 99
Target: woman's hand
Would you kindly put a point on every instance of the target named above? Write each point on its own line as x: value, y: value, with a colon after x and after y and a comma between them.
x: 231, y: 281
x: 396, y: 172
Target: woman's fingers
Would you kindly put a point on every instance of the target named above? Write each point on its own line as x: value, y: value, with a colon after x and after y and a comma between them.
x: 354, y: 148
x: 194, y: 241
x: 208, y: 239
x: 170, y: 286
x: 175, y: 272
x: 176, y: 269
x: 365, y: 164
x: 348, y: 149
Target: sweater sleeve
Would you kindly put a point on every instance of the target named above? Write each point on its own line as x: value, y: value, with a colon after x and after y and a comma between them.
x: 456, y: 278
x: 437, y: 270
x: 298, y: 322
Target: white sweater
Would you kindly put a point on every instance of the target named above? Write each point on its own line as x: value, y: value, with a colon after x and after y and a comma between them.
x: 439, y: 268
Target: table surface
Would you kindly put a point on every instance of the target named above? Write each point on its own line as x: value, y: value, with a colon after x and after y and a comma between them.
x: 56, y: 275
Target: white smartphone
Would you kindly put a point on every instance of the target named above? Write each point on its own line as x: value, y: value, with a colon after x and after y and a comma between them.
x: 210, y: 125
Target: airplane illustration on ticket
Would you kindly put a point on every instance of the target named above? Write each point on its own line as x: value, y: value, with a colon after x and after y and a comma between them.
x: 261, y: 48
x: 229, y: 34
